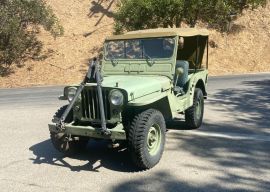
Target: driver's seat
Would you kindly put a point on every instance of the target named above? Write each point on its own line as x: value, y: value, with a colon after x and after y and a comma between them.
x: 182, y: 79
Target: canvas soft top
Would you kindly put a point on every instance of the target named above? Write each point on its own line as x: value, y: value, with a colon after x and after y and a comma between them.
x: 161, y: 32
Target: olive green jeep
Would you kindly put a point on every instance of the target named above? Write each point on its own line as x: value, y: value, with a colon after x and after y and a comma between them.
x: 144, y: 79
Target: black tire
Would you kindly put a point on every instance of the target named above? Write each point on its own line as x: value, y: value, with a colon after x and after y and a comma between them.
x: 127, y: 117
x: 139, y: 142
x: 66, y: 144
x: 194, y: 114
x: 60, y: 112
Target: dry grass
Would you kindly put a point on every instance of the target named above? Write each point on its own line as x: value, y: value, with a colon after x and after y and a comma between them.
x: 246, y: 49
x: 87, y: 23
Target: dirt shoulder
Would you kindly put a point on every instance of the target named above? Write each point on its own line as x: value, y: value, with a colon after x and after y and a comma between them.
x: 86, y: 25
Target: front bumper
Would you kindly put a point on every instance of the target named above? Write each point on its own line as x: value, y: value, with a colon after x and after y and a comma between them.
x: 117, y: 133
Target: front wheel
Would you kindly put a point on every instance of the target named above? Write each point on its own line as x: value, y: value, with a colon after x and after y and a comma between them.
x: 67, y: 144
x: 146, y: 138
x: 194, y: 114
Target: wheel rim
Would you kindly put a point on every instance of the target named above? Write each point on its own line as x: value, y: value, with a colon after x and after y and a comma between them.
x: 198, y: 110
x: 153, y: 139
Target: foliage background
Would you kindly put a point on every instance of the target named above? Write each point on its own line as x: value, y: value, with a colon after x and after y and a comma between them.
x: 20, y: 23
x: 142, y: 14
x: 244, y: 49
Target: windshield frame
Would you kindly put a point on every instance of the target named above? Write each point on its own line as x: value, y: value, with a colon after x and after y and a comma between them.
x: 174, y: 38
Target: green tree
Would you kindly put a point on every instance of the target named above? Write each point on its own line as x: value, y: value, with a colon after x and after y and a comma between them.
x: 20, y: 22
x: 142, y: 14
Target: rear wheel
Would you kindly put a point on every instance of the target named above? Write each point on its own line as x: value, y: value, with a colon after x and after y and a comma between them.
x: 194, y: 114
x: 146, y: 138
x: 67, y: 144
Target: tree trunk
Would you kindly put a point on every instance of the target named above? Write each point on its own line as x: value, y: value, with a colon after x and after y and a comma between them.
x: 178, y: 21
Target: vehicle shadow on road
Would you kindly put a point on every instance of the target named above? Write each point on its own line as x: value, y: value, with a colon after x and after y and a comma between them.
x: 96, y: 156
x: 178, y: 124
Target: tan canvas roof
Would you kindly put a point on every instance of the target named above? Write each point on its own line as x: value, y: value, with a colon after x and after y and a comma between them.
x: 161, y: 32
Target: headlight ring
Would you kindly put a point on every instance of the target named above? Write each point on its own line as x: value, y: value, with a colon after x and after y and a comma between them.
x: 116, y: 97
x: 71, y: 92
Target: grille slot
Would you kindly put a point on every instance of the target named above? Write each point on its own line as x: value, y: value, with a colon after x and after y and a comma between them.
x: 90, y: 104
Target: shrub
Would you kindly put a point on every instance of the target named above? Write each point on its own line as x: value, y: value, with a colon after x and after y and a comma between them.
x: 20, y: 21
x: 142, y: 14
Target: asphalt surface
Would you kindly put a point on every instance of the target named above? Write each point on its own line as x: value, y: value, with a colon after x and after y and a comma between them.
x: 230, y: 152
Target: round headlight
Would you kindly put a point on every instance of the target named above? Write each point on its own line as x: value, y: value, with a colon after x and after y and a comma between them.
x: 71, y: 93
x: 116, y: 97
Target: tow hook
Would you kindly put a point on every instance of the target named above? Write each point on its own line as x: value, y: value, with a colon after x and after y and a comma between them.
x: 113, y: 145
x: 68, y: 138
x: 60, y: 126
x: 105, y: 132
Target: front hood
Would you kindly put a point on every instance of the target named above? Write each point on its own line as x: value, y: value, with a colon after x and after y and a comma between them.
x: 137, y: 86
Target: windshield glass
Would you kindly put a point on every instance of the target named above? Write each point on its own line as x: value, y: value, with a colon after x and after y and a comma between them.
x: 140, y: 48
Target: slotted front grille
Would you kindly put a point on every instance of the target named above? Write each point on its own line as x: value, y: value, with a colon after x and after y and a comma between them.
x: 90, y: 104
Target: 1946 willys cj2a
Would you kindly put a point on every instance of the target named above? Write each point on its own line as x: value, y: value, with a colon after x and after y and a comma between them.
x: 146, y: 78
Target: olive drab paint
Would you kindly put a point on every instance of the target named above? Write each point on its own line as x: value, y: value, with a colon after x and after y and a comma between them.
x: 145, y: 83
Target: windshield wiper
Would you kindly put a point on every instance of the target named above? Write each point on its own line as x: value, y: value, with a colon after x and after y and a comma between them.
x: 111, y: 57
x: 152, y: 61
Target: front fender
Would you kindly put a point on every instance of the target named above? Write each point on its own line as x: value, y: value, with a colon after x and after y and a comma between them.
x: 147, y: 99
x: 198, y: 80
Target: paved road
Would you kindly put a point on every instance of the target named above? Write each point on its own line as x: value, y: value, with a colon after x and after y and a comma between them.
x: 230, y: 152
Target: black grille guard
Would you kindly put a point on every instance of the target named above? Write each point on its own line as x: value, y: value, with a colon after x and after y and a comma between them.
x: 93, y: 73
